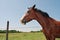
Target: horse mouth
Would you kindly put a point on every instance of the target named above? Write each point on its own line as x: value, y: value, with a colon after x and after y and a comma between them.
x: 23, y: 22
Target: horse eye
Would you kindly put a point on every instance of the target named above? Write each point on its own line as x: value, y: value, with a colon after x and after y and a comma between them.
x: 28, y: 11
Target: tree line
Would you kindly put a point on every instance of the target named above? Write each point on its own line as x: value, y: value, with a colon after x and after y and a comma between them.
x: 10, y: 31
x: 14, y: 31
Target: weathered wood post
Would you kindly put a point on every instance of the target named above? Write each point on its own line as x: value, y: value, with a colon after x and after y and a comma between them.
x: 7, y: 30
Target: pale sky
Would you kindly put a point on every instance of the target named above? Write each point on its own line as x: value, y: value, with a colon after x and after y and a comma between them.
x: 13, y: 10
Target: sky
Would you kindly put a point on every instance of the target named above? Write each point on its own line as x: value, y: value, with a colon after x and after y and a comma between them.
x: 13, y: 10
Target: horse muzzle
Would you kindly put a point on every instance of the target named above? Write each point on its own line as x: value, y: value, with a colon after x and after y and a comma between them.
x: 23, y: 22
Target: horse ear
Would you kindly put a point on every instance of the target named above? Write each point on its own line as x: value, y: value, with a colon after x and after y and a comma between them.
x: 33, y: 6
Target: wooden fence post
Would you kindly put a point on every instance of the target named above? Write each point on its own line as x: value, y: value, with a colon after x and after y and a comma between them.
x: 7, y: 30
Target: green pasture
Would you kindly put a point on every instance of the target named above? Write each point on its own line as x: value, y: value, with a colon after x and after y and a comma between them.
x: 24, y: 36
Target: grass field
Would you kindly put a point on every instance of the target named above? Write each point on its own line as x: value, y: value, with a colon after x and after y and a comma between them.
x: 24, y: 36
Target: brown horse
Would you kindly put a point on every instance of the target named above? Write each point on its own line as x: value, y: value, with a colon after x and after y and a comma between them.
x: 51, y: 27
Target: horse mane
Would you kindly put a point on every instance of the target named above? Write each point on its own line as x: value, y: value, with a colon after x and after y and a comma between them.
x: 45, y: 14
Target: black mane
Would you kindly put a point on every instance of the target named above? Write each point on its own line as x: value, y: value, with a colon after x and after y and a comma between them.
x: 43, y: 13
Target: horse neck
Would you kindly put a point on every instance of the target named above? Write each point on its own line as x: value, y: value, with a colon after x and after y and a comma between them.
x: 41, y: 20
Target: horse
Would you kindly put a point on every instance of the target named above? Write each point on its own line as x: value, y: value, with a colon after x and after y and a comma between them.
x: 50, y: 26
